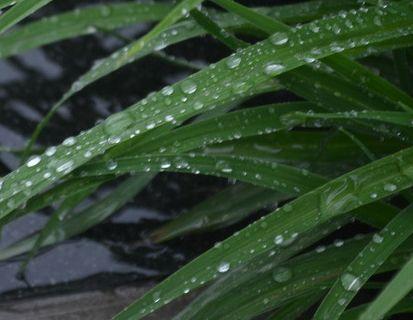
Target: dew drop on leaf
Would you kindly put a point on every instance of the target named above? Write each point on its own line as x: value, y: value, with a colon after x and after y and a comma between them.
x: 390, y: 187
x: 111, y: 165
x: 350, y: 282
x: 68, y: 142
x: 188, y: 86
x: 377, y: 238
x: 223, y: 267
x: 50, y: 151
x: 167, y: 91
x: 233, y: 62
x: 273, y: 69
x: 279, y: 38
x: 33, y: 161
x: 282, y: 274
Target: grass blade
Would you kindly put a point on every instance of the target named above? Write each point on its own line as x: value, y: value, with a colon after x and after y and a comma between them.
x: 83, y: 220
x: 373, y: 255
x: 221, y: 34
x: 119, y: 127
x: 104, y: 66
x: 79, y: 22
x: 222, y: 209
x: 19, y: 11
x: 300, y: 215
x: 395, y: 291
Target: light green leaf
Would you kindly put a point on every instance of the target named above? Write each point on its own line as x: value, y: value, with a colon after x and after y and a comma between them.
x: 395, y: 291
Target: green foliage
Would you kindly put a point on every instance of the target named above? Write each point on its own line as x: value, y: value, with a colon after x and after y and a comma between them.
x: 343, y: 152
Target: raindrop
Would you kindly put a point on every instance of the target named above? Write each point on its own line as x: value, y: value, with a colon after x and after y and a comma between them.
x: 282, y: 274
x: 223, y: 267
x: 279, y: 38
x: 350, y: 282
x: 65, y: 166
x: 233, y: 62
x: 188, y: 86
x: 377, y: 238
x: 165, y: 165
x: 167, y: 91
x: 278, y: 240
x: 50, y: 151
x: 390, y: 187
x: 198, y: 105
x: 273, y: 69
x: 112, y: 165
x: 33, y: 161
x: 69, y: 141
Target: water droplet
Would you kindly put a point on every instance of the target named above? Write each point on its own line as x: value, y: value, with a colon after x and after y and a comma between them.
x: 377, y: 238
x: 167, y: 91
x: 282, y: 274
x: 390, y: 187
x: 320, y: 249
x: 50, y: 151
x: 69, y: 141
x: 278, y: 240
x: 350, y: 282
x: 111, y: 165
x: 188, y: 86
x: 165, y: 165
x: 273, y: 69
x: 65, y: 167
x: 33, y: 161
x: 223, y: 267
x: 114, y: 140
x: 198, y: 105
x: 233, y: 61
x: 169, y: 118
x: 279, y: 38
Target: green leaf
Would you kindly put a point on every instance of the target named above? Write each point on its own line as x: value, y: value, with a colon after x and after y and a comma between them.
x: 263, y: 173
x: 296, y: 308
x: 170, y: 36
x: 398, y: 288
x: 251, y: 279
x: 119, y: 127
x: 215, y: 30
x: 398, y: 118
x: 7, y: 3
x: 19, y: 11
x: 79, y: 22
x: 67, y: 206
x: 382, y: 177
x: 225, y: 208
x: 339, y: 63
x: 80, y: 221
x: 123, y: 58
x: 272, y: 286
x: 373, y: 256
